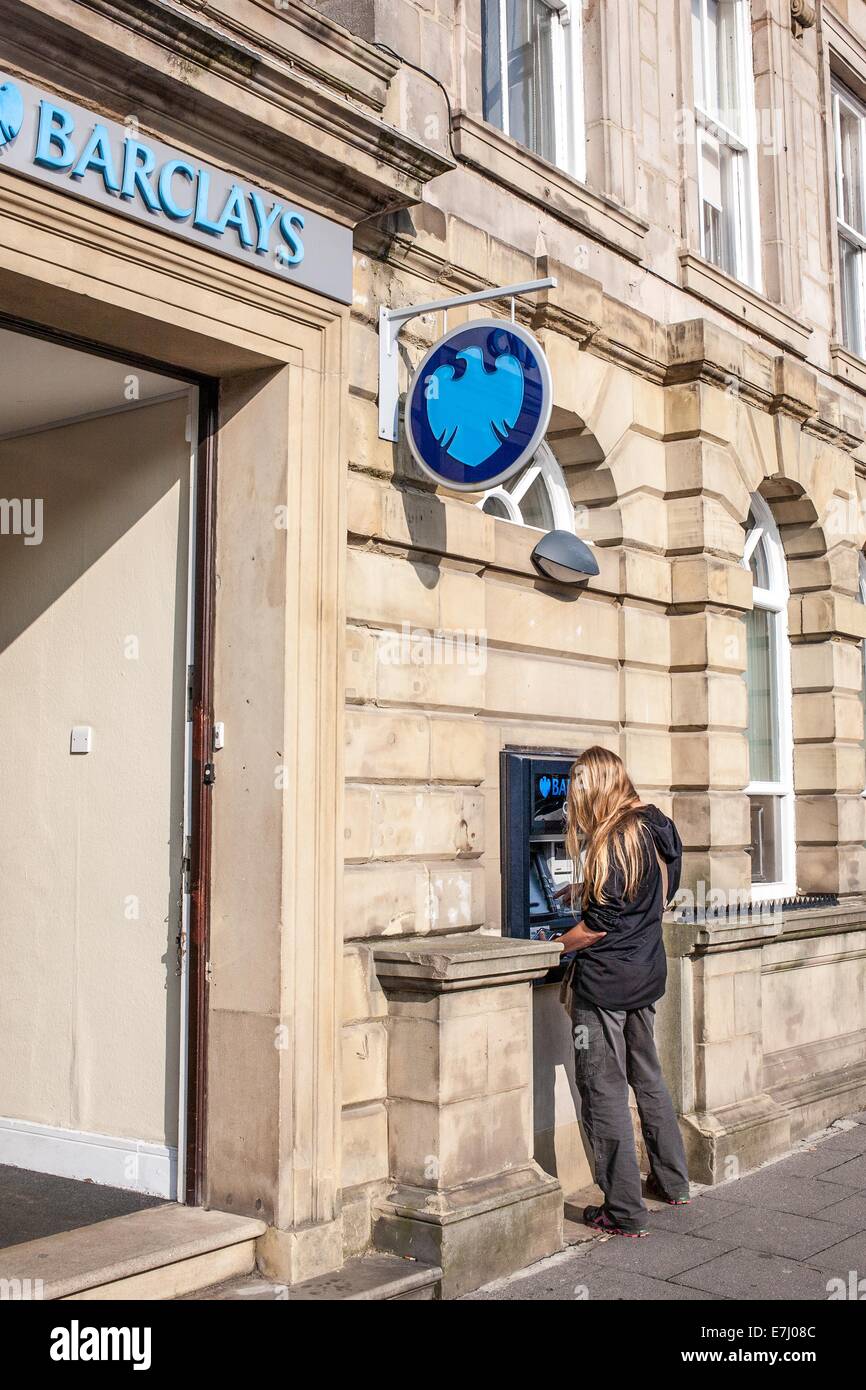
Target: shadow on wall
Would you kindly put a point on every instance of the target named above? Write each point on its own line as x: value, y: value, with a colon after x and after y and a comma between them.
x: 96, y: 1003
x: 559, y: 1143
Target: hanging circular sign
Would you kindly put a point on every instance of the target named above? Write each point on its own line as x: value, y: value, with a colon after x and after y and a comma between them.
x: 479, y: 405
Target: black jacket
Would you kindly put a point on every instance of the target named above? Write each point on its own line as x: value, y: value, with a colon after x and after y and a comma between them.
x: 627, y: 968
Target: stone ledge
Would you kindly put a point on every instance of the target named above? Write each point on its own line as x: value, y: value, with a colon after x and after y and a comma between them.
x: 453, y: 963
x: 742, y: 303
x: 748, y: 1132
x: 814, y: 1101
x: 484, y: 147
x: 96, y: 1256
x: 291, y: 128
x: 476, y: 1198
x: 713, y: 937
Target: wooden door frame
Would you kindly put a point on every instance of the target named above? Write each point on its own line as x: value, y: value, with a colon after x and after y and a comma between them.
x: 201, y: 809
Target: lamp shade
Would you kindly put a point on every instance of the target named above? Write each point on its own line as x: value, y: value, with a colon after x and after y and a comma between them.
x: 560, y: 555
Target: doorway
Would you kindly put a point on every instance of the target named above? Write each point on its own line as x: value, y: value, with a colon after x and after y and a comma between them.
x: 98, y: 658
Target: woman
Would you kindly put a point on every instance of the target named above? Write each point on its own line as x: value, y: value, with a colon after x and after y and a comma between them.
x: 632, y: 857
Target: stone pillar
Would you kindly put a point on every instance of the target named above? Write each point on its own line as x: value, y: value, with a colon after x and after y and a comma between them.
x: 467, y: 1194
x: 710, y: 592
x: 781, y: 175
x: 273, y: 1058
x: 827, y: 672
x: 612, y: 75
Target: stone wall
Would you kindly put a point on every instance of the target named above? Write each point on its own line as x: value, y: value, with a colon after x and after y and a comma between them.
x: 678, y: 394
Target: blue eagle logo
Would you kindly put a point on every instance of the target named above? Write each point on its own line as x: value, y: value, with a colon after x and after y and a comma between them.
x: 471, y: 412
x: 11, y: 112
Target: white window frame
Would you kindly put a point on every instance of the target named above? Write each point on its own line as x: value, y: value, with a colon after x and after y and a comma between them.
x: 545, y: 465
x: 774, y: 599
x: 713, y: 124
x: 566, y: 81
x: 842, y: 96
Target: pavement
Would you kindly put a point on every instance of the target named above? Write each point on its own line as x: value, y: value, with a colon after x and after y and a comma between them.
x: 794, y: 1230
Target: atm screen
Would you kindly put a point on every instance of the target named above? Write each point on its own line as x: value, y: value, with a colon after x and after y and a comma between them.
x: 548, y: 797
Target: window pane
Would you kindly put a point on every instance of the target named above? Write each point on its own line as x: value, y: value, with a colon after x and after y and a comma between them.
x: 725, y: 30
x: 850, y: 138
x: 763, y: 696
x: 852, y: 303
x: 491, y: 62
x: 496, y: 507
x: 716, y: 61
x: 698, y: 54
x: 765, y: 849
x: 530, y: 75
x: 535, y: 507
x: 720, y: 189
x: 758, y: 561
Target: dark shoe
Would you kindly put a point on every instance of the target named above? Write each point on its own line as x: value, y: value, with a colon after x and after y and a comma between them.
x: 653, y: 1189
x: 598, y: 1219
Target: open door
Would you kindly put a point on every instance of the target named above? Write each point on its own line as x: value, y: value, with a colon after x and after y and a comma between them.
x: 95, y: 773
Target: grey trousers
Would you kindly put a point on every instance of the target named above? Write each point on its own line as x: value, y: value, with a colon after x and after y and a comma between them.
x: 615, y: 1049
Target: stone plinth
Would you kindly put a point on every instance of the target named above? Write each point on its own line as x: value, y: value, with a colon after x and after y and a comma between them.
x: 467, y: 1194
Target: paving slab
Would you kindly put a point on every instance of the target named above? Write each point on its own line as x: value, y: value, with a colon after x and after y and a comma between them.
x: 580, y: 1281
x: 690, y: 1219
x: 778, y: 1189
x: 813, y: 1162
x: 658, y: 1255
x: 775, y: 1233
x: 852, y: 1139
x: 751, y: 1275
x: 850, y: 1212
x: 850, y: 1174
x: 842, y: 1258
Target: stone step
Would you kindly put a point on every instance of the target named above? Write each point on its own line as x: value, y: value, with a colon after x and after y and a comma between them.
x: 373, y: 1278
x: 158, y: 1253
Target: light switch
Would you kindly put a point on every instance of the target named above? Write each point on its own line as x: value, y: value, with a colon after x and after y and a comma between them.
x: 81, y: 739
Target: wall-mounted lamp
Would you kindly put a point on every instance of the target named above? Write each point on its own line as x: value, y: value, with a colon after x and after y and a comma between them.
x: 560, y: 555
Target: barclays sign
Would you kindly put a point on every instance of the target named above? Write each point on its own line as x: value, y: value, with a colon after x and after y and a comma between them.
x: 479, y: 404
x: 60, y: 144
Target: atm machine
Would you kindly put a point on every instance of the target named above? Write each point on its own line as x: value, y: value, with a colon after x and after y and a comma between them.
x: 535, y: 864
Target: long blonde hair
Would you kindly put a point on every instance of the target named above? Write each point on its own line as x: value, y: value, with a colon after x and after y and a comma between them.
x: 603, y: 822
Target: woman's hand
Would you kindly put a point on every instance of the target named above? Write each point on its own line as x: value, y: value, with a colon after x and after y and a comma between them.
x: 579, y: 938
x: 567, y: 893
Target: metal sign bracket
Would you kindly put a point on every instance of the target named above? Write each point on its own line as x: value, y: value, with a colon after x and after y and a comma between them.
x: 391, y: 323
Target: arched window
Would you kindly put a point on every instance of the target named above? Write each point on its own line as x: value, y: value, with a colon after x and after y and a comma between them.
x: 768, y: 679
x: 537, y: 496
